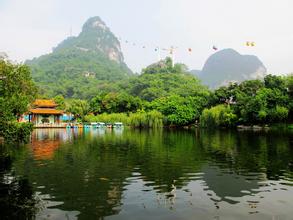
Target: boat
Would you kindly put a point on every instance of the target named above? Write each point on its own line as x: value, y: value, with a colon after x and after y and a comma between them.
x: 86, y: 126
x: 109, y: 125
x: 94, y: 124
x: 100, y: 125
x: 118, y: 125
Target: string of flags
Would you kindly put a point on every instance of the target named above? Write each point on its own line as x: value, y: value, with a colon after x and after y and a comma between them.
x: 172, y: 49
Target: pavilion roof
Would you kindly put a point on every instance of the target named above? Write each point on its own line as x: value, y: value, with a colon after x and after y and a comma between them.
x: 46, y: 111
x: 44, y: 103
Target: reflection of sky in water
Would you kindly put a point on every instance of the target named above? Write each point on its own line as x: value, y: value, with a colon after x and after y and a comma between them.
x: 133, y: 174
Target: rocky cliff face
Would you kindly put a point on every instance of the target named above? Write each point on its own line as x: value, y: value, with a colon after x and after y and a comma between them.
x: 3, y: 56
x: 95, y: 36
x: 230, y: 66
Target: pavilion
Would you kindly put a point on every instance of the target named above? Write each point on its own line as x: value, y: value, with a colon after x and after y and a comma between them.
x: 44, y: 112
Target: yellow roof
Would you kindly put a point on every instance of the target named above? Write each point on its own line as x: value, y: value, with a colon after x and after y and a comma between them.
x: 44, y: 103
x: 46, y: 111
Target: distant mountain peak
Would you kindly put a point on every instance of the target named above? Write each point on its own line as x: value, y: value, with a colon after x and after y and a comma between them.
x: 95, y: 23
x: 95, y: 37
x: 228, y: 65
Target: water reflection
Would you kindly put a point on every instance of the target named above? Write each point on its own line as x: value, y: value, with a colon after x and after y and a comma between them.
x: 161, y: 174
x: 46, y: 141
x: 17, y: 199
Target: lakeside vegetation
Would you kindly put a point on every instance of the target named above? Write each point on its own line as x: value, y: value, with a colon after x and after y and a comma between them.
x: 163, y: 95
x: 182, y: 100
x: 17, y: 91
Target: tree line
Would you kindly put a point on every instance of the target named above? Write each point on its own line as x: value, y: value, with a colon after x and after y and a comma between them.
x: 162, y: 94
x: 183, y: 100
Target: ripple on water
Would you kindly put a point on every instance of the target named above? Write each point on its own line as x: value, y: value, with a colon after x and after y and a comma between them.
x: 143, y: 175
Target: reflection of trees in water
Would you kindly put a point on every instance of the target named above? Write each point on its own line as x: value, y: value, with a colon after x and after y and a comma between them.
x: 249, y: 152
x: 17, y: 199
x: 89, y: 173
x: 239, y: 161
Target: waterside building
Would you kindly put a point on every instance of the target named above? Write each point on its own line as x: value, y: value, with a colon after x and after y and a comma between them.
x: 45, y: 113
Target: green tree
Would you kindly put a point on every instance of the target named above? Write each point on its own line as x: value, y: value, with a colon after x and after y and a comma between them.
x: 59, y: 99
x: 218, y: 116
x: 274, y: 82
x: 279, y: 114
x: 289, y: 85
x: 79, y: 108
x: 96, y: 104
x: 179, y: 110
x: 17, y: 91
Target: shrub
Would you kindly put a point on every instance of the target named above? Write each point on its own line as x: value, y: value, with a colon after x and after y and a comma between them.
x: 218, y: 116
x: 17, y: 132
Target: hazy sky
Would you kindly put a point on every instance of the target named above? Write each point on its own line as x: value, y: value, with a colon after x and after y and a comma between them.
x: 30, y: 28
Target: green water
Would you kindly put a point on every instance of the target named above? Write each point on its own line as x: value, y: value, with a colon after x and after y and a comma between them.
x: 148, y: 174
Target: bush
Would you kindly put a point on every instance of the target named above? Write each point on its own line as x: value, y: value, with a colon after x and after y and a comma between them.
x: 279, y: 114
x: 218, y: 116
x: 17, y: 132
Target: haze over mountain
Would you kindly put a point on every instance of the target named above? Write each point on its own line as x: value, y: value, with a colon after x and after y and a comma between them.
x: 227, y: 66
x: 79, y: 64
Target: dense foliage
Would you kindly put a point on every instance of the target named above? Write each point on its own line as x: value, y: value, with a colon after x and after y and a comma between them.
x: 219, y: 115
x: 17, y: 91
x: 74, y: 73
x: 172, y: 91
x: 257, y: 102
x: 182, y: 100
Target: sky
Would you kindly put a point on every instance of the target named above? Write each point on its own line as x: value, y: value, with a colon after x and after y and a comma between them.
x: 32, y: 28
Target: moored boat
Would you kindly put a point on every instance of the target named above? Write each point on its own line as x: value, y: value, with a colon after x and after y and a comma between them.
x: 118, y: 125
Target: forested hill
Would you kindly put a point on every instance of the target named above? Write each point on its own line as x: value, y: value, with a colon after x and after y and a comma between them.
x: 79, y: 64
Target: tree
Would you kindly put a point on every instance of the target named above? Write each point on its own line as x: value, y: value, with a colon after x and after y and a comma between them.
x: 279, y: 114
x: 226, y: 94
x: 60, y: 101
x: 79, y: 108
x: 274, y: 82
x: 180, y: 110
x: 218, y: 116
x: 96, y: 104
x: 17, y: 91
x: 289, y: 85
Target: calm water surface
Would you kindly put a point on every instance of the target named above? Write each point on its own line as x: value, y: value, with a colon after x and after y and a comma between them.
x: 148, y: 174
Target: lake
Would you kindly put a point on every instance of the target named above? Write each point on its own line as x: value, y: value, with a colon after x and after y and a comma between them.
x: 148, y: 174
